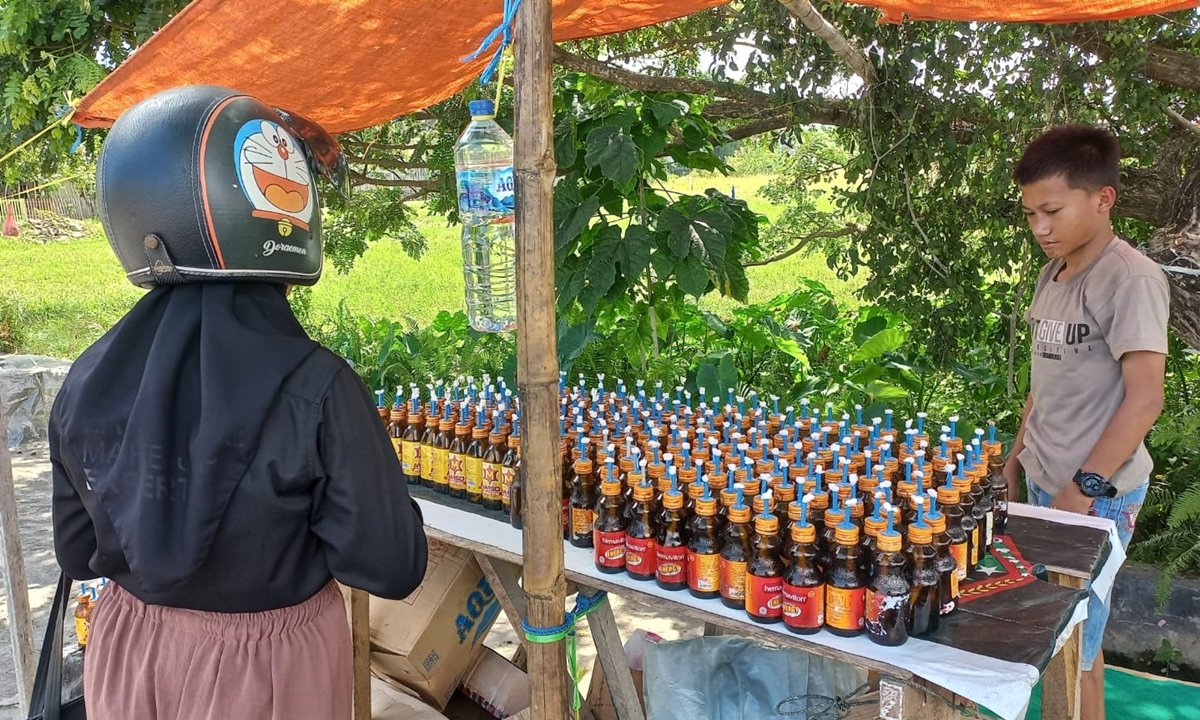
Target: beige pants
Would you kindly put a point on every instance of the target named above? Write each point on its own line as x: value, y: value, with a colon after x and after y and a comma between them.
x: 149, y: 662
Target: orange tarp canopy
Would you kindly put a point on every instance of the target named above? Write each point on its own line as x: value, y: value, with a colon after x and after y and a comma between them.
x: 346, y: 64
x: 1042, y: 11
x: 350, y: 64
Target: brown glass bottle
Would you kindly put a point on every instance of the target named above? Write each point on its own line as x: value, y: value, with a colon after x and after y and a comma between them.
x: 946, y: 567
x: 785, y: 495
x: 925, y: 602
x: 412, y: 446
x: 511, y: 482
x: 969, y: 524
x: 493, y: 469
x: 804, y: 582
x: 872, y: 526
x: 474, y: 461
x: 886, y: 613
x: 981, y: 493
x: 764, y: 572
x: 735, y: 554
x: 795, y: 516
x: 641, y: 535
x: 427, y: 437
x: 845, y: 584
x: 999, y: 486
x: 671, y: 573
x: 608, y: 533
x: 828, y: 537
x: 441, y: 455
x: 456, y: 461
x: 948, y: 499
x: 704, y: 550
x: 583, y: 502
x: 397, y: 424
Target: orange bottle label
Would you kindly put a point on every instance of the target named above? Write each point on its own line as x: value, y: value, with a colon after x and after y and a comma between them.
x: 733, y: 579
x: 456, y: 475
x: 844, y: 608
x: 610, y: 548
x: 803, y: 607
x: 977, y: 537
x: 412, y: 458
x: 582, y: 521
x: 764, y: 596
x: 641, y: 555
x: 473, y: 470
x: 959, y: 552
x: 704, y: 573
x: 672, y: 564
x: 954, y: 583
x: 491, y: 482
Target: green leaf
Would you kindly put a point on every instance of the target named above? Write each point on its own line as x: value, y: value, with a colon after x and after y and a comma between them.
x: 885, y: 391
x: 574, y: 220
x: 868, y: 328
x: 666, y: 113
x: 614, y: 152
x: 566, y: 148
x: 572, y: 339
x: 664, y: 265
x: 728, y: 374
x: 711, y: 228
x: 692, y: 277
x: 880, y: 343
x: 708, y: 378
x: 634, y: 252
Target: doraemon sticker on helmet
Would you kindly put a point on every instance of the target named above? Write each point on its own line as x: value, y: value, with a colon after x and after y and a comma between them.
x: 274, y: 175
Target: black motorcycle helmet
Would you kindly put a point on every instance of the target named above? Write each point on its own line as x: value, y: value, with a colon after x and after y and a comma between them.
x: 203, y: 183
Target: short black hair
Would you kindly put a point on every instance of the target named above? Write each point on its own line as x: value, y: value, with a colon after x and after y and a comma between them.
x: 1086, y: 157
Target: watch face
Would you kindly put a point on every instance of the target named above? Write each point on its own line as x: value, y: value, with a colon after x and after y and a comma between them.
x: 1092, y: 485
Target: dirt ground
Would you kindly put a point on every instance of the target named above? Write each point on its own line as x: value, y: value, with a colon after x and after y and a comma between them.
x: 31, y: 476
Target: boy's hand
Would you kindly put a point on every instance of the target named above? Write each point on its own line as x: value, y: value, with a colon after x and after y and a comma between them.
x: 1012, y: 473
x: 1073, y: 500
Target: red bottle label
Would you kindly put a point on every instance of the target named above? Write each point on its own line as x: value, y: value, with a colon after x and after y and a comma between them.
x: 672, y: 564
x: 803, y: 607
x: 610, y: 548
x: 704, y: 572
x: 733, y: 579
x: 764, y: 596
x: 641, y: 555
x: 845, y: 608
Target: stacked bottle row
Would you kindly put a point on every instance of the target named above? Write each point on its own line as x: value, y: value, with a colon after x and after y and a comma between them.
x: 809, y: 521
x: 464, y: 442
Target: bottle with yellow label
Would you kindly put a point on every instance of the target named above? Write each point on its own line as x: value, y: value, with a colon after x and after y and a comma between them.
x: 412, y: 442
x: 948, y: 496
x: 704, y: 549
x: 510, y: 478
x: 924, y: 605
x: 440, y: 451
x: 493, y: 465
x: 397, y: 424
x: 456, y: 457
x: 473, y: 471
x: 764, y: 572
x: 845, y: 582
x: 83, y: 612
x: 431, y: 431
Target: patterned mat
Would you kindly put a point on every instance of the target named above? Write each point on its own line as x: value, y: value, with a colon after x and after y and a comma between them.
x: 1002, y: 569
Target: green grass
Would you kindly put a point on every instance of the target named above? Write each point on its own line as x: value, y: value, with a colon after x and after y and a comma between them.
x: 67, y: 294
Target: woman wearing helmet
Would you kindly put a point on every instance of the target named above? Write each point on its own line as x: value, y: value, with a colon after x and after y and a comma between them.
x: 221, y: 468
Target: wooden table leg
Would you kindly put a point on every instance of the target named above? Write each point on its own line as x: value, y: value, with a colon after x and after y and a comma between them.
x: 611, y: 653
x: 360, y: 635
x: 504, y: 579
x: 1060, y: 683
x: 899, y: 701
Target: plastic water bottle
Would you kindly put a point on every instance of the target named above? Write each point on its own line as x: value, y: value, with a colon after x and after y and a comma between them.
x: 483, y: 158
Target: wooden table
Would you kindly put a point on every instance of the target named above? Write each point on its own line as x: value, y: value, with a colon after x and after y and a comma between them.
x: 1026, y: 620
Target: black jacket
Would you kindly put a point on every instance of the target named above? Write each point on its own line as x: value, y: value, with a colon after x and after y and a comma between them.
x: 323, y: 497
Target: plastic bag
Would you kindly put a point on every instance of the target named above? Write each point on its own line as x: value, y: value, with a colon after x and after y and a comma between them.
x: 735, y: 678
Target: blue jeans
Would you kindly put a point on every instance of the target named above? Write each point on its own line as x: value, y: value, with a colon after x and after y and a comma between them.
x: 1123, y: 511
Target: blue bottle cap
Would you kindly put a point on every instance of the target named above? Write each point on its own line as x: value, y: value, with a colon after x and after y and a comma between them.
x: 481, y: 107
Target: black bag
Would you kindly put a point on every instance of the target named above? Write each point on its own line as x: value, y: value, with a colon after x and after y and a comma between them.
x: 47, y: 702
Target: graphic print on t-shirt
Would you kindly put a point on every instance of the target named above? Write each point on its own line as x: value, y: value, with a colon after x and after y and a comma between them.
x: 1053, y: 338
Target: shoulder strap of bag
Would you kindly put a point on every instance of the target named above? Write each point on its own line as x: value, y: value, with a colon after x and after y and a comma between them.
x: 46, y: 702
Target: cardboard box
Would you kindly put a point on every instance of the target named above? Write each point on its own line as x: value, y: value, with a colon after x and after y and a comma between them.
x: 429, y: 641
x: 497, y: 685
x: 389, y: 702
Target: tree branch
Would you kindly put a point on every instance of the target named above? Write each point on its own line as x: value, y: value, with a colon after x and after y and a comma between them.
x: 804, y: 241
x: 651, y: 83
x: 386, y: 163
x: 1162, y: 64
x: 852, y: 54
x: 360, y: 179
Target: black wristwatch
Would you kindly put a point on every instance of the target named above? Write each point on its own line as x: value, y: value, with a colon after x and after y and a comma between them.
x: 1094, y: 485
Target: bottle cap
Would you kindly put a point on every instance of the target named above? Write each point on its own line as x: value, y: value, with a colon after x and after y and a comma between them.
x: 846, y: 534
x: 889, y: 541
x: 937, y: 522
x: 643, y: 492
x: 803, y: 533
x: 795, y: 511
x: 610, y: 488
x: 445, y: 424
x: 706, y: 506
x: 832, y: 517
x: 766, y: 524
x: 947, y: 495
x: 672, y: 500
x: 921, y: 534
x: 695, y: 490
x: 874, y: 525
x: 481, y: 108
x: 728, y: 496
x: 739, y: 514
x: 498, y: 437
x: 583, y: 466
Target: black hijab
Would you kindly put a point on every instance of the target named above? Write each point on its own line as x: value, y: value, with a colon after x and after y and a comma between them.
x: 164, y: 413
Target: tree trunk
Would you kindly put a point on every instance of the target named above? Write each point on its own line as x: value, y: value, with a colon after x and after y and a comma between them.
x: 1176, y: 245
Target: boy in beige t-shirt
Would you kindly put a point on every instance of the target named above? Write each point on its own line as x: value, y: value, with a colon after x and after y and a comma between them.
x: 1099, y: 326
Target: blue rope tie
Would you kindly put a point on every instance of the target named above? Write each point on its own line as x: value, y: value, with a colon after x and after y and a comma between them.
x: 504, y: 32
x: 584, y: 604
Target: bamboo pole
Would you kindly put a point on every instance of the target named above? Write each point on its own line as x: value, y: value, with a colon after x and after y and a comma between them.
x: 20, y: 618
x: 537, y: 356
